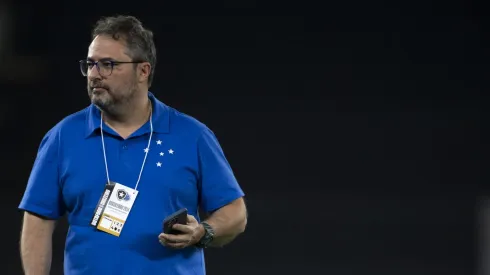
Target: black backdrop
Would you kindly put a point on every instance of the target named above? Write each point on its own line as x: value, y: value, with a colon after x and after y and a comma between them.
x: 355, y: 128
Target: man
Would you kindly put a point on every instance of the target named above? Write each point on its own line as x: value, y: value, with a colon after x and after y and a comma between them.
x: 121, y: 166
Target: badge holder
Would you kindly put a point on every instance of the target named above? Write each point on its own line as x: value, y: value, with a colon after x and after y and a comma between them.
x: 116, y: 201
x: 113, y: 208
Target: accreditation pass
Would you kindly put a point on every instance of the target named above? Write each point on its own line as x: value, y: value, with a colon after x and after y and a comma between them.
x: 113, y: 208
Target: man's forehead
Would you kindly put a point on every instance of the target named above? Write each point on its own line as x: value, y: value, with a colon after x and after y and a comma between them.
x: 105, y: 46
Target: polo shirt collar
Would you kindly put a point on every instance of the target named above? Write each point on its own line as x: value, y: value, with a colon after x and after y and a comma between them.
x: 160, y: 118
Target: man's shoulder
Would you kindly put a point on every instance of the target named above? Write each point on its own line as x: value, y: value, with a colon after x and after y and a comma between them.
x: 182, y: 122
x: 71, y: 123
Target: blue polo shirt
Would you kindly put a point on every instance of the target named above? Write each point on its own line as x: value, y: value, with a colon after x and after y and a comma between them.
x: 185, y: 167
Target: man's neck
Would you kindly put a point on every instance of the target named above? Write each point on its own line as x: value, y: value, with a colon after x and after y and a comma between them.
x: 132, y: 117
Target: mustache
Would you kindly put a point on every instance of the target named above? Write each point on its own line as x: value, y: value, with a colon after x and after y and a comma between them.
x: 93, y: 85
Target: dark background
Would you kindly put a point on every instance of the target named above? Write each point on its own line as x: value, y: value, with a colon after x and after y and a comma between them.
x: 354, y: 127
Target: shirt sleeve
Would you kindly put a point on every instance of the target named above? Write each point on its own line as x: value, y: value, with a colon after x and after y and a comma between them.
x: 218, y: 185
x: 43, y: 195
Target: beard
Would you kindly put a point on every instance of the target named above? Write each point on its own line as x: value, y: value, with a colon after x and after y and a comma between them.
x: 109, y: 100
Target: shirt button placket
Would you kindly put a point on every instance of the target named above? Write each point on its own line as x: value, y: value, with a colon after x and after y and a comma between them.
x: 124, y: 149
x: 123, y: 156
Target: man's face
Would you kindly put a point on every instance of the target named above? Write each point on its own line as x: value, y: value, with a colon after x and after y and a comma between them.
x: 109, y: 92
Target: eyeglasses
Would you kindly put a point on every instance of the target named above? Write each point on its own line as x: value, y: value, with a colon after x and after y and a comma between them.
x: 104, y: 67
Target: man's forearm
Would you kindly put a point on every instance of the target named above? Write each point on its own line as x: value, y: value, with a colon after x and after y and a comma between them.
x: 228, y: 222
x: 36, y: 245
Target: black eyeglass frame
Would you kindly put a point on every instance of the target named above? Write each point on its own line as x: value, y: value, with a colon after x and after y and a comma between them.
x: 106, y: 62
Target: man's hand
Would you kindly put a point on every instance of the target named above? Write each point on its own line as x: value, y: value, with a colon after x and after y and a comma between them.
x: 192, y: 232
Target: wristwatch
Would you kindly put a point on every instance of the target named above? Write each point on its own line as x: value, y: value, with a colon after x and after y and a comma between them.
x: 208, y: 236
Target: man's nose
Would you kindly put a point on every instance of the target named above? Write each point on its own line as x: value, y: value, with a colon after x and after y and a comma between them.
x: 93, y: 72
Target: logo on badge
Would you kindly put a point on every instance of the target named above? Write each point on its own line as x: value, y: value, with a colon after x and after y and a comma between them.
x: 122, y: 195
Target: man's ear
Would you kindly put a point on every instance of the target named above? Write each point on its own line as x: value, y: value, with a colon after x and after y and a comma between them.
x: 144, y: 71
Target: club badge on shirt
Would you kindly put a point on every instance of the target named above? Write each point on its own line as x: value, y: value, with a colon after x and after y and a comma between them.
x: 113, y: 208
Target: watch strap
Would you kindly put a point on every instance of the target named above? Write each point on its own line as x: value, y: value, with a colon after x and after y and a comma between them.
x: 208, y: 236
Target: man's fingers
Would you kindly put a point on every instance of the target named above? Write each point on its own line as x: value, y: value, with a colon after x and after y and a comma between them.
x: 169, y: 244
x: 174, y: 245
x: 180, y: 240
x: 191, y: 219
x: 174, y: 241
x: 182, y: 228
x: 169, y: 238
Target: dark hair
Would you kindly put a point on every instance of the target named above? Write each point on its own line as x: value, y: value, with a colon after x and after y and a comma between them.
x: 139, y: 40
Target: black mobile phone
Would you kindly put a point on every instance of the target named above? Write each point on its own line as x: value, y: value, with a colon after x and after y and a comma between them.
x: 179, y: 217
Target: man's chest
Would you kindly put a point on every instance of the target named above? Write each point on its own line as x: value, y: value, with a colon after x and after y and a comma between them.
x: 165, y: 173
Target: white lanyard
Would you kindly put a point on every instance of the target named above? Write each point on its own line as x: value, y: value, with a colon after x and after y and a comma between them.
x: 146, y: 150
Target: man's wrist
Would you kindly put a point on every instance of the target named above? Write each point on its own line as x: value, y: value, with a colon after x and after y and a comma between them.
x: 201, y: 232
x: 207, y: 235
